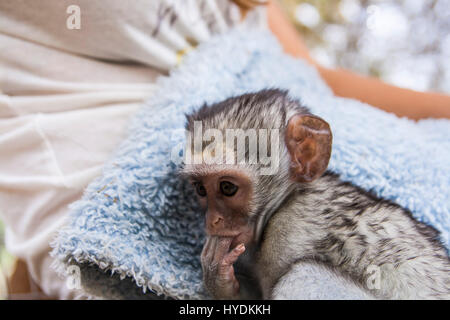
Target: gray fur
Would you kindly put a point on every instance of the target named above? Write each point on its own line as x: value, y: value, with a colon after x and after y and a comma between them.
x: 327, y: 224
x: 343, y: 227
x: 309, y: 280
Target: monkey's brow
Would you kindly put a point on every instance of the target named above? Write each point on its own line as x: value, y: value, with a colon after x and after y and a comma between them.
x: 201, y: 171
x: 191, y: 173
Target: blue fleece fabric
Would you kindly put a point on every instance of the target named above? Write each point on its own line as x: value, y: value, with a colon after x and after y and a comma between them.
x: 139, y: 220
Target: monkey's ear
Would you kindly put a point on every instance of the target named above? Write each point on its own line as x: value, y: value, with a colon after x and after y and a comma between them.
x: 308, y: 139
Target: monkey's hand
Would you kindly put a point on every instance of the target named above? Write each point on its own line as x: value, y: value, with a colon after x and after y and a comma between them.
x: 217, y: 264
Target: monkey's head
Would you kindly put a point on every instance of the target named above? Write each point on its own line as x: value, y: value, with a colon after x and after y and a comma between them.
x: 245, y: 155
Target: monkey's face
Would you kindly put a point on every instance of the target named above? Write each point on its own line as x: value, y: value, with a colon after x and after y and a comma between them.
x: 226, y: 196
x: 229, y: 146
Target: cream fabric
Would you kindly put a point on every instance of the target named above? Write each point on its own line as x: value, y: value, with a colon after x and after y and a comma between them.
x: 66, y: 96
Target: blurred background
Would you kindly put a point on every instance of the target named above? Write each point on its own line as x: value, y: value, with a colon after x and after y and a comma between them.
x: 6, y: 264
x: 402, y: 42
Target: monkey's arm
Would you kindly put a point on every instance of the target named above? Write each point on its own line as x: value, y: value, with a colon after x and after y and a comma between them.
x: 403, y: 102
x: 220, y: 278
x: 314, y: 281
x: 217, y: 266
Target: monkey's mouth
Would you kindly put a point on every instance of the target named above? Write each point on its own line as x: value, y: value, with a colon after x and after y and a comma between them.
x: 224, y: 234
x: 235, y: 242
x: 238, y: 239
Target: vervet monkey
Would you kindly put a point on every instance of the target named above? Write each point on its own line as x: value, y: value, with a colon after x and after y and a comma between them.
x: 270, y: 235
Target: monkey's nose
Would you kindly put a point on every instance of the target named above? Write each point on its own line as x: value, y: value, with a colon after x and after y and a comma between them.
x: 217, y: 221
x: 216, y: 224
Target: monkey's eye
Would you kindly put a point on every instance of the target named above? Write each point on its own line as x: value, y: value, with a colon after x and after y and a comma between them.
x: 201, y: 190
x: 228, y: 189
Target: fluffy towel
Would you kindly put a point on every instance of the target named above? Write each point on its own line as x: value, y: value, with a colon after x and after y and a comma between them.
x: 140, y: 222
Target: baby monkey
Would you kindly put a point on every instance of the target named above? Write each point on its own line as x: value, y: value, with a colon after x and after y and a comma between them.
x: 279, y: 226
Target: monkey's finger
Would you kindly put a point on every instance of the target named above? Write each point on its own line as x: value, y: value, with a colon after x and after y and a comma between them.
x: 226, y: 274
x: 227, y: 289
x: 212, y: 261
x: 207, y: 246
x: 233, y: 255
x: 223, y: 246
x: 215, y: 249
x: 208, y: 252
x: 206, y: 249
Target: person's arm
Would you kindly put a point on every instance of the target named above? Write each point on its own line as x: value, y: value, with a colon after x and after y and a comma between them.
x: 403, y: 102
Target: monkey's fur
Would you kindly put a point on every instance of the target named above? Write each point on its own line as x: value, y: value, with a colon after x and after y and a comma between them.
x: 328, y: 225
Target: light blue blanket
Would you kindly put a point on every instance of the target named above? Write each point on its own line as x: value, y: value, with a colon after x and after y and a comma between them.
x: 139, y: 221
